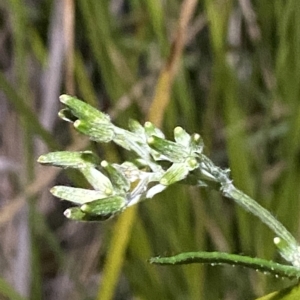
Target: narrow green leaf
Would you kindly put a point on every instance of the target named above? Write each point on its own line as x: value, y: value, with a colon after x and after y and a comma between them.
x: 84, y: 111
x: 97, y: 132
x: 150, y: 130
x: 182, y: 137
x: 135, y: 143
x: 76, y: 214
x: 170, y: 150
x: 69, y: 159
x: 77, y: 195
x: 217, y: 258
x: 130, y: 141
x: 196, y: 143
x: 120, y: 182
x: 136, y: 127
x: 105, y: 208
x: 176, y: 172
x: 286, y: 251
x: 97, y: 180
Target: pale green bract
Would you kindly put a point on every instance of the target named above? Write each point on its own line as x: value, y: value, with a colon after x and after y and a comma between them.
x: 159, y: 164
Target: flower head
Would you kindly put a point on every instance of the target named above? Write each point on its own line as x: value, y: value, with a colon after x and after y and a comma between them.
x: 118, y: 186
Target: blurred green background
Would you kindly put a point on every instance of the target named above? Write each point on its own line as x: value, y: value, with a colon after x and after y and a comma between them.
x: 229, y: 70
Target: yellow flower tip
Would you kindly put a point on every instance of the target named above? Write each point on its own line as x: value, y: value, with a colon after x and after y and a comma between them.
x: 197, y: 137
x: 53, y: 190
x: 64, y: 98
x: 150, y: 140
x: 42, y: 159
x: 77, y: 123
x: 148, y: 124
x: 60, y: 113
x: 84, y: 208
x: 104, y: 164
x: 108, y: 191
x: 178, y: 130
x: 164, y: 181
x: 280, y: 244
x: 67, y: 213
x: 192, y: 162
x: 277, y: 240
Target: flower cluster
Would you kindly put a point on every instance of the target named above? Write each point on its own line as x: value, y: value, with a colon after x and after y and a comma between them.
x: 118, y: 186
x: 159, y: 163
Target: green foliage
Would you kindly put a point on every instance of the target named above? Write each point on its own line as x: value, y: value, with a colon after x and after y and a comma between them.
x: 220, y: 258
x: 236, y: 84
x: 113, y: 194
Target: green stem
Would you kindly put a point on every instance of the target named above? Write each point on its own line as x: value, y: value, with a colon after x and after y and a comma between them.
x: 288, y: 249
x: 264, y: 215
x: 220, y: 258
x: 218, y: 179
